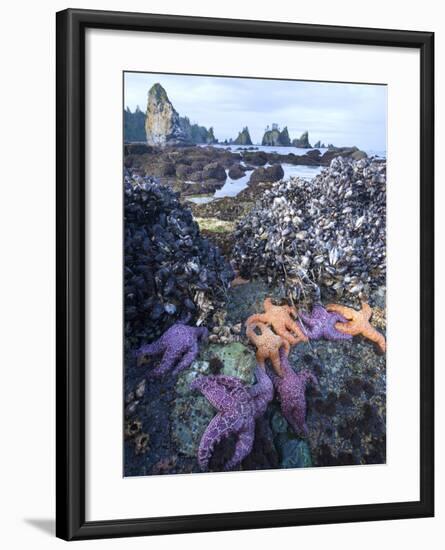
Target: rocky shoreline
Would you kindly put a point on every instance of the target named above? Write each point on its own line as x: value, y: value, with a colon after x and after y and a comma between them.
x: 202, y: 170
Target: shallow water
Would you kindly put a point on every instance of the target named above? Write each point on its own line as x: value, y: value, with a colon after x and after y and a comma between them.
x: 231, y: 187
x: 200, y: 199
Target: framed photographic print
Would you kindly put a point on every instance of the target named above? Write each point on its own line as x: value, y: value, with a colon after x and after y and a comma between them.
x: 244, y: 274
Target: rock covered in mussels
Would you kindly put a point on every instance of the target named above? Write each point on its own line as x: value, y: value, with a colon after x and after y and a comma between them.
x: 329, y: 231
x: 171, y: 272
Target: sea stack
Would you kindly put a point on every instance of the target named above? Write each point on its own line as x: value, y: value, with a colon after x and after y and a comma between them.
x: 162, y: 122
x: 303, y: 141
x: 276, y: 137
x: 243, y: 137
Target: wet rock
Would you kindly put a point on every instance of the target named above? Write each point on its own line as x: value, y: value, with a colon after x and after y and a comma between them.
x: 333, y: 152
x: 346, y: 415
x: 165, y: 169
x: 137, y: 149
x: 279, y: 423
x: 270, y: 174
x: 198, y: 165
x: 214, y: 171
x: 183, y: 171
x: 259, y: 158
x: 141, y: 442
x: 358, y: 155
x: 236, y: 172
x: 295, y: 454
x: 238, y: 360
x: 315, y: 154
x: 202, y: 188
x: 264, y: 454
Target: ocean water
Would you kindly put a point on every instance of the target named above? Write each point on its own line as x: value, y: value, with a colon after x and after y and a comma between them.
x: 287, y: 150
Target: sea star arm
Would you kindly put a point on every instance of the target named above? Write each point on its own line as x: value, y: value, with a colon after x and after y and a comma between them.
x: 230, y: 382
x: 366, y: 311
x: 261, y: 392
x: 257, y: 318
x: 306, y: 318
x: 170, y: 357
x: 260, y: 358
x: 311, y: 378
x: 346, y: 312
x: 331, y: 331
x: 285, y: 334
x: 202, y: 333
x: 216, y: 391
x: 284, y: 361
x: 187, y: 359
x: 261, y: 376
x: 311, y: 332
x: 274, y: 377
x: 243, y: 446
x: 306, y: 324
x: 376, y: 337
x: 336, y: 318
x: 215, y: 431
x: 295, y: 331
x: 291, y: 310
x: 286, y: 347
x: 276, y: 364
x: 350, y: 327
x: 295, y: 415
x: 250, y: 332
x: 334, y: 333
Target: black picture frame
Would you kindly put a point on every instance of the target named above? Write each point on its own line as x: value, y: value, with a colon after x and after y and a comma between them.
x: 70, y: 171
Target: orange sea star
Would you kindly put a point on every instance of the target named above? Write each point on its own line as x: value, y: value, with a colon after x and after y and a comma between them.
x: 268, y: 345
x: 281, y: 320
x: 358, y: 323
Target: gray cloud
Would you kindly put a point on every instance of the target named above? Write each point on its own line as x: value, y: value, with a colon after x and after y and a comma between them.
x: 344, y: 114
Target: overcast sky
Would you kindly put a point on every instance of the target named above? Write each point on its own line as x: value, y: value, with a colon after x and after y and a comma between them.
x: 342, y: 114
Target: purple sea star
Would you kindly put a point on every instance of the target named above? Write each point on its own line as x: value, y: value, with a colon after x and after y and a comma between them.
x: 291, y: 388
x: 178, y: 346
x: 320, y: 323
x: 238, y: 407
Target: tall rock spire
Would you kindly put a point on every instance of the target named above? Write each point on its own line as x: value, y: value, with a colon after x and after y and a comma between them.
x: 162, y: 122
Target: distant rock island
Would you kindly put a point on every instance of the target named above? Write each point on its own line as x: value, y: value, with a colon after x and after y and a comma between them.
x: 319, y: 145
x: 280, y: 138
x: 302, y: 141
x: 162, y: 125
x: 273, y: 136
x: 243, y: 137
